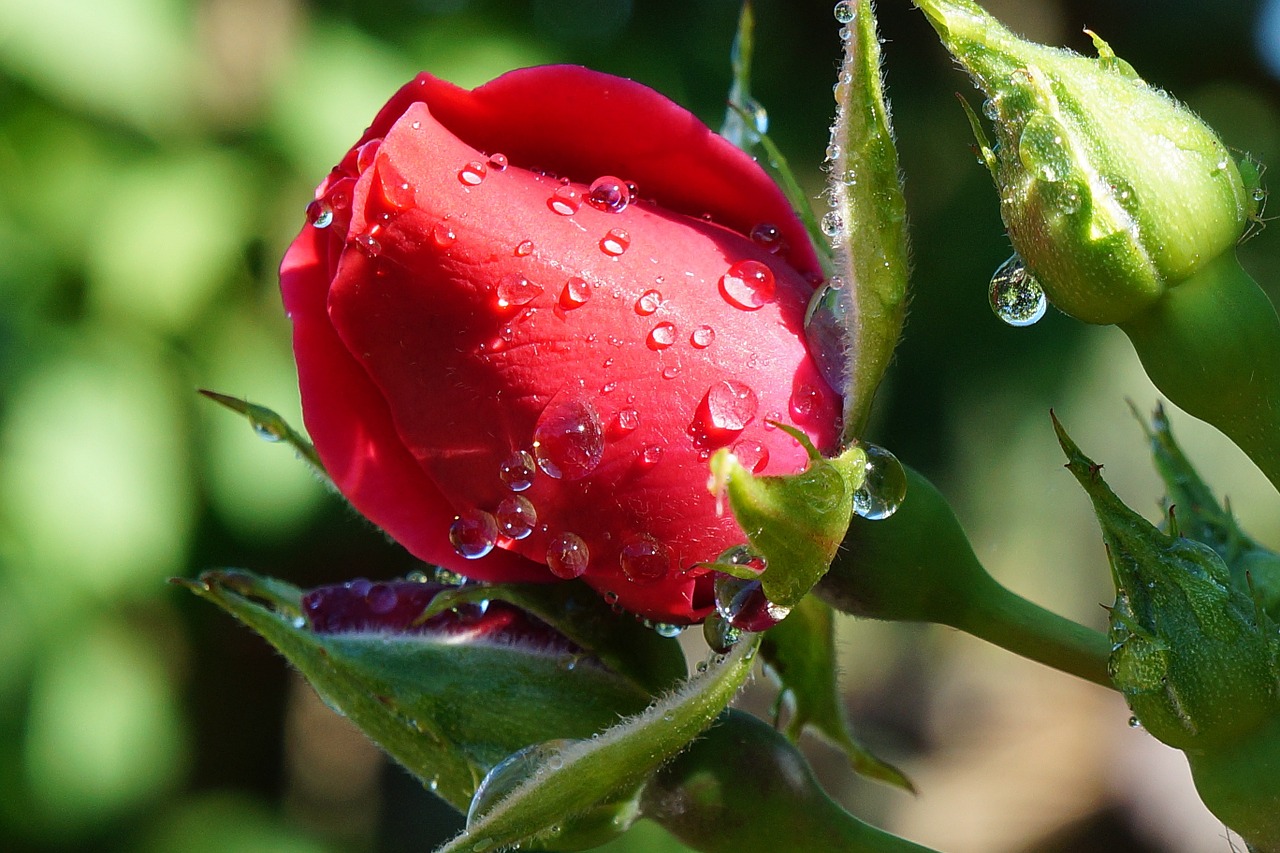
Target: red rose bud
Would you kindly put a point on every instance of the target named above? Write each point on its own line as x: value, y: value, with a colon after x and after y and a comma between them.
x: 525, y: 316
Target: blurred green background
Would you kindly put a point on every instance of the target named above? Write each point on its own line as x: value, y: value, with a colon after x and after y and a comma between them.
x: 155, y: 159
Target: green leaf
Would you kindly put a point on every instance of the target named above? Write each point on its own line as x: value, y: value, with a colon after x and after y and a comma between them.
x: 796, y: 522
x: 269, y: 426
x: 801, y: 652
x: 573, y: 778
x: 744, y: 788
x: 856, y: 319
x: 446, y: 710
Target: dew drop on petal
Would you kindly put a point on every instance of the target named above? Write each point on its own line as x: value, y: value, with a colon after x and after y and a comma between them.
x: 397, y: 192
x: 651, y: 456
x: 443, y: 235
x: 615, y: 242
x: 626, y: 421
x: 702, y: 337
x: 731, y: 405
x: 498, y: 162
x: 367, y: 153
x: 826, y: 329
x: 609, y: 194
x: 568, y: 441
x: 661, y: 336
x: 567, y: 556
x: 748, y: 285
x: 473, y: 174
x: 319, y: 214
x: 766, y: 235
x: 649, y: 302
x: 516, y: 517
x: 516, y: 291
x: 368, y: 243
x: 743, y: 604
x: 752, y: 455
x: 518, y: 470
x: 565, y: 201
x: 670, y: 372
x: 473, y: 534
x: 524, y: 249
x: 644, y: 559
x: 576, y: 293
x: 884, y: 485
x: 1016, y: 297
x: 803, y: 401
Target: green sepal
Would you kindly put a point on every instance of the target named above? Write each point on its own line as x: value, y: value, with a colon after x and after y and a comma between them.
x: 654, y: 663
x: 271, y: 427
x: 447, y: 711
x: 744, y: 788
x: 801, y: 652
x: 1195, y: 658
x: 796, y: 521
x: 1192, y: 506
x: 575, y: 778
x: 856, y: 320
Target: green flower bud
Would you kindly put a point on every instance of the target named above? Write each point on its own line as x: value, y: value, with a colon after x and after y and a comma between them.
x: 1111, y: 190
x: 1195, y: 658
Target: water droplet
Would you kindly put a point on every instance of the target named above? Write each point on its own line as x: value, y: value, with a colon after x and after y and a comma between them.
x: 368, y: 243
x: 509, y: 774
x: 1135, y: 723
x: 473, y: 173
x: 609, y: 194
x: 381, y: 599
x: 443, y: 235
x: 397, y: 192
x: 670, y: 372
x: 565, y: 201
x: 516, y: 517
x: 748, y: 285
x: 666, y: 630
x: 833, y: 225
x: 752, y: 455
x: 568, y: 440
x: 524, y: 249
x: 649, y: 301
x: 644, y: 559
x: 615, y: 242
x: 1066, y: 196
x: 833, y: 150
x: 845, y: 11
x: 1042, y: 148
x: 575, y: 294
x: 567, y: 556
x: 803, y: 400
x: 731, y: 405
x: 516, y: 291
x: 884, y: 485
x: 991, y: 108
x: 743, y: 604
x: 661, y: 336
x: 473, y: 534
x: 767, y: 235
x: 367, y: 153
x: 626, y: 421
x: 319, y: 214
x: 1016, y: 297
x: 651, y: 456
x: 826, y: 331
x: 518, y: 470
x: 498, y: 162
x: 702, y: 337
x: 719, y: 634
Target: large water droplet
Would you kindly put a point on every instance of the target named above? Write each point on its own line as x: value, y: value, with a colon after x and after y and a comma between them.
x: 575, y: 294
x: 748, y: 285
x: 568, y: 440
x: 320, y: 214
x: 516, y: 291
x: 719, y: 634
x: 615, y: 242
x: 845, y: 11
x: 443, y: 235
x: 884, y: 485
x: 397, y: 192
x: 803, y: 401
x: 661, y: 336
x: 644, y: 559
x: 567, y: 556
x: 833, y: 226
x: 1016, y: 297
x: 731, y: 405
x: 610, y: 194
x: 367, y: 153
x: 826, y: 330
x: 702, y: 337
x: 518, y: 471
x: 751, y: 455
x: 516, y: 517
x: 473, y: 534
x: 498, y: 162
x: 649, y: 301
x: 743, y: 604
x: 473, y: 173
x: 1042, y: 148
x: 565, y: 201
x: 509, y: 774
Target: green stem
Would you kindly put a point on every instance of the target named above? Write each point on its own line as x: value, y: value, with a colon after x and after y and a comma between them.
x: 1241, y: 786
x: 1212, y: 345
x: 1008, y: 620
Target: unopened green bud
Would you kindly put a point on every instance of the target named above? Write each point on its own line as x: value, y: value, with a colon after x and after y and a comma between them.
x: 1111, y: 190
x: 1195, y: 658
